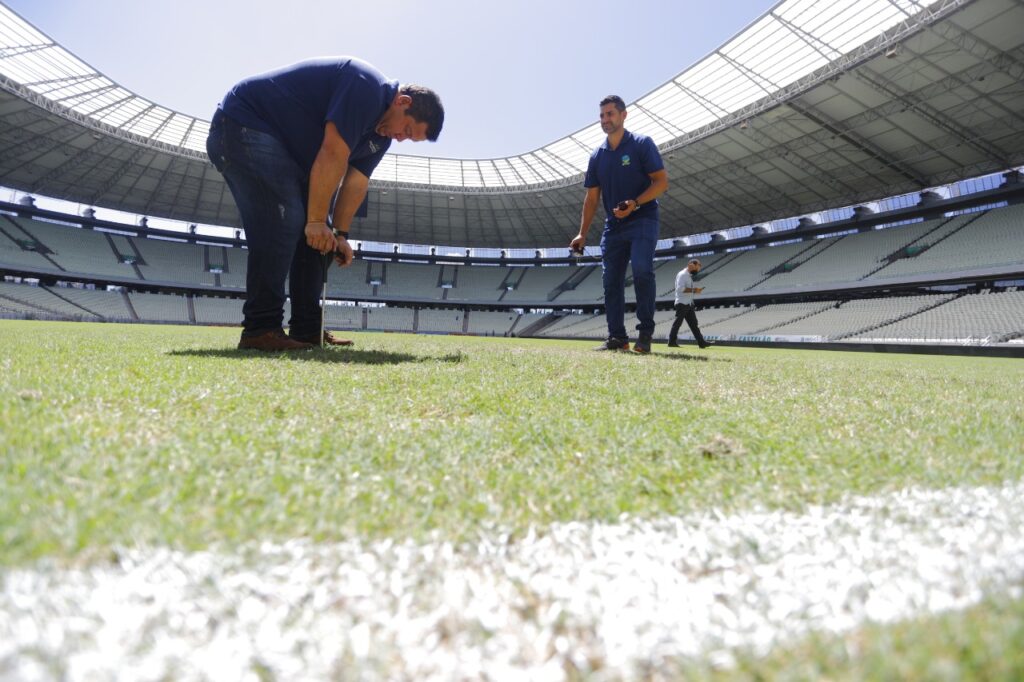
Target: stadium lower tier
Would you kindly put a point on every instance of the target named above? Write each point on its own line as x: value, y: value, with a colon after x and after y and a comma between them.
x: 986, y: 317
x: 987, y: 243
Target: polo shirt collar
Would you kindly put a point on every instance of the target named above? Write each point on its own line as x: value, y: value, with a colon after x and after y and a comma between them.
x: 626, y: 134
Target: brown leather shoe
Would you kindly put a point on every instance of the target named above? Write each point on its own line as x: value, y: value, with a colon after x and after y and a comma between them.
x: 329, y: 340
x: 274, y: 340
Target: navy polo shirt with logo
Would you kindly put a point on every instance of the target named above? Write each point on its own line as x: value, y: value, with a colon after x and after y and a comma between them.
x: 624, y: 173
x: 295, y: 102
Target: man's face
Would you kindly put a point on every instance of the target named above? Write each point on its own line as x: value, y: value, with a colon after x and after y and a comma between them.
x: 694, y: 268
x: 398, y: 125
x: 403, y: 127
x: 611, y: 119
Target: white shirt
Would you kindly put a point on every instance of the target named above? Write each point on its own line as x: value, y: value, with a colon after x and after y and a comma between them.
x: 684, y: 280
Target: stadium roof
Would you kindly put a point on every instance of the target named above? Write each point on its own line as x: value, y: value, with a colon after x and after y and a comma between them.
x: 815, y: 104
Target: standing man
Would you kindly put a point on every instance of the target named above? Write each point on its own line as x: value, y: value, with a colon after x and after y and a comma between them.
x: 684, y: 305
x: 626, y: 171
x: 286, y: 142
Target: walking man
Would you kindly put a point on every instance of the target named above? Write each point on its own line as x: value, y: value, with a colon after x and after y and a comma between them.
x: 684, y: 305
x: 289, y: 141
x: 627, y: 174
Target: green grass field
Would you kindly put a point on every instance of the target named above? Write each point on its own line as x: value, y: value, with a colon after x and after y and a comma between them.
x: 168, y: 435
x: 131, y: 435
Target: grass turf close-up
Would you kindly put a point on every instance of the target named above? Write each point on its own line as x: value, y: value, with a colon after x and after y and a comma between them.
x: 465, y: 500
x: 164, y: 435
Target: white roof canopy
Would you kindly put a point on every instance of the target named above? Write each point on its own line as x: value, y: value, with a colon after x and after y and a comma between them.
x: 792, y: 40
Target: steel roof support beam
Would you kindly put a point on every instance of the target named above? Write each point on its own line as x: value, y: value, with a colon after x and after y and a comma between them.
x: 16, y: 50
x: 112, y: 179
x: 975, y: 46
x: 769, y: 143
x: 924, y: 110
x: 80, y: 95
x: 879, y: 155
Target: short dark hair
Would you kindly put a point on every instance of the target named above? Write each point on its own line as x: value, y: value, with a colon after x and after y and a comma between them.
x: 694, y: 260
x: 616, y: 100
x: 426, y: 108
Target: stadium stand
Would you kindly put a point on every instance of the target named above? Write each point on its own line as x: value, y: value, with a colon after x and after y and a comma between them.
x: 173, y: 262
x: 762, y: 319
x: 33, y: 299
x: 536, y: 284
x: 160, y: 307
x: 750, y: 267
x: 344, y: 317
x: 440, y: 321
x: 77, y: 250
x: 409, y: 280
x: 996, y: 316
x: 853, y: 258
x: 478, y: 283
x: 972, y: 241
x: 226, y: 311
x: 705, y: 317
x: 390, y: 319
x: 566, y: 325
x: 109, y: 305
x: 851, y: 317
x: 991, y: 239
x: 19, y: 251
x: 234, y: 276
x: 487, y: 323
x: 352, y: 281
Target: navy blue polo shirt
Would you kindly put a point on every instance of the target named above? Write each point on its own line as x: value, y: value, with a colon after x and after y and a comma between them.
x: 624, y: 173
x: 295, y: 102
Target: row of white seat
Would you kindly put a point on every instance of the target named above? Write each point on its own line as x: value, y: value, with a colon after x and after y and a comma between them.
x: 996, y: 315
x: 994, y: 238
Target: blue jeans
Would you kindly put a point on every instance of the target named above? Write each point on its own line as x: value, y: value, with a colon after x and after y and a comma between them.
x: 632, y: 243
x: 271, y: 192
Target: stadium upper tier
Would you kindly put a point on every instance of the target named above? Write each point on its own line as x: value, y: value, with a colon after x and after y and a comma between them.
x: 817, y: 103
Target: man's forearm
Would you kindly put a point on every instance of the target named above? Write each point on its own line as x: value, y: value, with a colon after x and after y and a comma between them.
x: 653, y: 192
x: 589, y: 211
x: 350, y: 198
x: 327, y: 172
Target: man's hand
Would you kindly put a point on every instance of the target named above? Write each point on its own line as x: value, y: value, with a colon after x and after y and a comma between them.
x: 343, y: 254
x: 320, y: 237
x: 698, y: 290
x: 577, y: 243
x: 624, y: 209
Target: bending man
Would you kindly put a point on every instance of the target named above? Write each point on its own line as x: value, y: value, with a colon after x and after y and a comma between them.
x: 285, y: 141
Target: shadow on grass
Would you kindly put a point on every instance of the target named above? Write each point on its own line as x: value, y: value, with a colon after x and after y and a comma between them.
x: 334, y: 355
x: 687, y: 356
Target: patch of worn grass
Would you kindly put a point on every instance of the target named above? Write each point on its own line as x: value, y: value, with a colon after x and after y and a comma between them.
x: 125, y: 434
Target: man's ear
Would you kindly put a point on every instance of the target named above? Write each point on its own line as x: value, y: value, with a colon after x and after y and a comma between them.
x: 403, y: 101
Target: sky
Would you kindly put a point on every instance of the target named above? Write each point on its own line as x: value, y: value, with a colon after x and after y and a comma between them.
x: 513, y: 75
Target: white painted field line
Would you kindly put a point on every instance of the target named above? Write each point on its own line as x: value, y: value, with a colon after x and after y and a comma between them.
x: 611, y: 597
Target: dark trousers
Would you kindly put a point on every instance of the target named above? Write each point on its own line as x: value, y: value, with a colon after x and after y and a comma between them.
x: 685, y: 312
x: 633, y: 245
x: 271, y: 192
